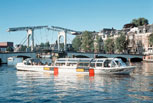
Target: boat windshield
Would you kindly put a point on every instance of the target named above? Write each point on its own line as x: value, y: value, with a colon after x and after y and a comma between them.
x: 114, y: 63
x: 119, y: 62
x: 107, y: 63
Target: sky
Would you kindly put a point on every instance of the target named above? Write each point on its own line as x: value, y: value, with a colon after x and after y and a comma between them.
x: 80, y: 15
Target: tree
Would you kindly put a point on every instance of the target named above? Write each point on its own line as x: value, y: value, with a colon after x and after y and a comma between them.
x: 121, y: 43
x: 151, y: 39
x: 9, y: 49
x: 22, y: 48
x: 109, y: 45
x: 42, y: 45
x: 47, y: 45
x: 98, y: 43
x: 140, y: 22
x: 76, y: 43
x: 87, y: 42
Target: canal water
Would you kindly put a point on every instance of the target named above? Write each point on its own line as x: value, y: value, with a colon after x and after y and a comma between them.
x: 31, y: 87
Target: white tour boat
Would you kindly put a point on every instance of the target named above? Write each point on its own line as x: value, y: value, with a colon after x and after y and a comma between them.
x: 79, y: 65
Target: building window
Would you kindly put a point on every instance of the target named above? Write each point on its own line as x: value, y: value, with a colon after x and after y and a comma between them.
x: 140, y: 31
x: 146, y: 31
x: 99, y: 64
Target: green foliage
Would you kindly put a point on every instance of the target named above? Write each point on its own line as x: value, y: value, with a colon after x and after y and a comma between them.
x: 150, y: 39
x: 62, y: 46
x: 47, y: 44
x: 43, y: 45
x: 87, y: 42
x: 98, y: 42
x: 139, y: 22
x: 109, y: 45
x: 76, y: 43
x: 22, y: 48
x: 121, y: 43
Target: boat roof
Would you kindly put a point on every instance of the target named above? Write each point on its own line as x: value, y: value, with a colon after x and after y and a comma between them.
x: 73, y: 60
x: 81, y: 60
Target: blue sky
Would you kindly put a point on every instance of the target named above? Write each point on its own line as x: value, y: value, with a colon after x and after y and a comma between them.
x: 81, y: 15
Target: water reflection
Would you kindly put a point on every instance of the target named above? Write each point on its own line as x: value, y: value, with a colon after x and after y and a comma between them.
x: 147, y: 68
x: 142, y: 84
x: 79, y: 85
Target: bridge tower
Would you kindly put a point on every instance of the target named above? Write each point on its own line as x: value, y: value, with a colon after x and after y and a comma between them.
x: 30, y: 33
x: 63, y: 32
x: 60, y: 34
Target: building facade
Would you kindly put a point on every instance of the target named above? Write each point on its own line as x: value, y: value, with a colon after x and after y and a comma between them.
x: 139, y: 39
x: 5, y: 45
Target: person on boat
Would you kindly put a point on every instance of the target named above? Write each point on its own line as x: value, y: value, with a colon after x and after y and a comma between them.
x: 39, y: 63
x: 46, y: 64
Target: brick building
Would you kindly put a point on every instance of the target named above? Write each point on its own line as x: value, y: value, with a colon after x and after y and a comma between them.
x: 5, y: 45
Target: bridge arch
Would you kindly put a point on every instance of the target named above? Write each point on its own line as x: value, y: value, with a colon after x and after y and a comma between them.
x: 136, y: 59
x: 123, y: 59
x: 0, y: 61
x: 100, y: 56
x: 81, y: 56
x: 62, y: 35
x: 23, y: 56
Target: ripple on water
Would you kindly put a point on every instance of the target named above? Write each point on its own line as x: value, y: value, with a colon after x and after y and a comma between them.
x: 35, y: 87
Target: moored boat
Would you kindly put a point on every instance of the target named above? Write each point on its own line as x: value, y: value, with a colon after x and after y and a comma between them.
x: 79, y: 65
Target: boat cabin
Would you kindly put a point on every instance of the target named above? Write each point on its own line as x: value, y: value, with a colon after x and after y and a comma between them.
x: 31, y: 61
x: 105, y: 62
x: 66, y: 62
x: 72, y: 61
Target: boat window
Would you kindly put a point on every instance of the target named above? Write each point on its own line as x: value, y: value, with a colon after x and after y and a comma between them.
x: 100, y: 60
x: 99, y: 64
x: 68, y: 64
x: 107, y: 63
x: 113, y: 64
x: 118, y: 63
x: 60, y: 64
x: 83, y: 64
x: 93, y: 60
x: 92, y: 65
x: 71, y: 64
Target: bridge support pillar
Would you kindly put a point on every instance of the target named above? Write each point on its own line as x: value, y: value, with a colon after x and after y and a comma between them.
x: 30, y: 33
x: 62, y: 33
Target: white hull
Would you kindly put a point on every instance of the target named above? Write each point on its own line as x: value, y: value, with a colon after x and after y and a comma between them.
x: 117, y: 70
